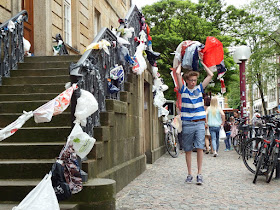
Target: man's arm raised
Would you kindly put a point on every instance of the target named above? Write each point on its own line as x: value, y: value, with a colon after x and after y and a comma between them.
x: 209, y: 76
x: 179, y: 77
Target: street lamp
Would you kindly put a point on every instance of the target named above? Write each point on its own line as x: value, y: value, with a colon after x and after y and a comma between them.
x: 241, y: 54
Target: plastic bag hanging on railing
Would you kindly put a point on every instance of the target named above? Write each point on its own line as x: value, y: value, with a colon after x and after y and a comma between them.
x: 81, y: 141
x: 54, y: 107
x: 60, y: 186
x: 140, y: 58
x: 72, y: 171
x: 86, y: 106
x: 41, y: 197
x: 14, y: 126
x: 103, y: 44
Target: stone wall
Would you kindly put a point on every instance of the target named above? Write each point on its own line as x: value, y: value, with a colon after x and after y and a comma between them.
x: 121, y: 150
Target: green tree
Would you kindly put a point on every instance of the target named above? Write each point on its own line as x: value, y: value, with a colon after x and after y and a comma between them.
x: 263, y: 38
x: 173, y: 21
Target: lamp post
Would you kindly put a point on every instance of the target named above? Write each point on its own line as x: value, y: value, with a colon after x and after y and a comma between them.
x: 241, y: 54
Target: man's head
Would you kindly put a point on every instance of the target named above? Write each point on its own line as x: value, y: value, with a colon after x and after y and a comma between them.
x: 191, y: 78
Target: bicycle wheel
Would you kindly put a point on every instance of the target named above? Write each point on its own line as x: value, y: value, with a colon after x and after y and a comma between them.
x: 273, y: 158
x: 237, y: 144
x: 259, y: 164
x: 250, y: 153
x: 172, y: 144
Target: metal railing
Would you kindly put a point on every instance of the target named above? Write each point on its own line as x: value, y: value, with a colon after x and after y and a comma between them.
x: 93, y: 68
x: 11, y: 44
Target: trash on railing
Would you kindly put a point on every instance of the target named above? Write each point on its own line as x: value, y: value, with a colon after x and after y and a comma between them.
x: 103, y: 44
x: 26, y: 47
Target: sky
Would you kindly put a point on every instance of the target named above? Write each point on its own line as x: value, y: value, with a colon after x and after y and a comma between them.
x: 236, y: 3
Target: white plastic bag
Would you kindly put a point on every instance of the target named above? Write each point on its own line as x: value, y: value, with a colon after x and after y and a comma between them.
x: 162, y: 111
x: 222, y: 134
x: 139, y: 56
x: 159, y: 99
x: 128, y: 33
x: 122, y: 41
x: 81, y: 141
x: 14, y: 126
x: 86, y: 106
x: 45, y: 112
x: 54, y: 107
x: 26, y: 45
x: 62, y: 101
x: 11, y: 26
x: 41, y: 197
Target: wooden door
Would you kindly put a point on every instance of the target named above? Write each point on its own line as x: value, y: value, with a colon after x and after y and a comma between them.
x: 28, y: 31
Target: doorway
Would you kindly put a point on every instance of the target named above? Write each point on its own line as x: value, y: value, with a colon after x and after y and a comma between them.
x: 28, y: 31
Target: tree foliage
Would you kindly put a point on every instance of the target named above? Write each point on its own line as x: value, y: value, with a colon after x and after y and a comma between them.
x: 264, y: 39
x: 173, y: 21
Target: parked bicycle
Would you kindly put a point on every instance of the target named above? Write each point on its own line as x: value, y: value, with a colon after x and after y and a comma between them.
x: 261, y: 153
x: 171, y: 139
x: 243, y: 135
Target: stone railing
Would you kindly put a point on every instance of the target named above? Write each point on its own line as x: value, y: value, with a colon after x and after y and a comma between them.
x: 11, y: 43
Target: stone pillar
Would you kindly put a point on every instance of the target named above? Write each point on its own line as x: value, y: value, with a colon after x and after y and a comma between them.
x: 75, y: 5
x: 42, y: 28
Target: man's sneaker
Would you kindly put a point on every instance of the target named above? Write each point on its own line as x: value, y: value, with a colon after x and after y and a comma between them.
x: 199, y: 180
x: 215, y: 154
x: 189, y: 179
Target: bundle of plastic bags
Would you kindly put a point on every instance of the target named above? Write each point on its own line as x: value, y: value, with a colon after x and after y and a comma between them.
x: 187, y: 54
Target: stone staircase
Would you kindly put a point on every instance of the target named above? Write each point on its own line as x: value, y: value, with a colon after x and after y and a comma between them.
x: 29, y: 154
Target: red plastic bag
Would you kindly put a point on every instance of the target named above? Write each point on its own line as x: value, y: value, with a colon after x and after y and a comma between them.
x: 213, y: 52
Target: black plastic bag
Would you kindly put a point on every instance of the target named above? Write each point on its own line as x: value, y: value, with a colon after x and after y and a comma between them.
x: 60, y: 186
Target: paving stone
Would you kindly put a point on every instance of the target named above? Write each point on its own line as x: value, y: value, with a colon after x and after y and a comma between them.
x: 227, y: 185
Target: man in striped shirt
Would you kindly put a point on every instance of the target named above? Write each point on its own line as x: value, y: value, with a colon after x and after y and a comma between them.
x: 193, y: 117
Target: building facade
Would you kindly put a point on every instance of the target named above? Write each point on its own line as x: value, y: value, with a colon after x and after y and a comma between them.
x: 78, y: 21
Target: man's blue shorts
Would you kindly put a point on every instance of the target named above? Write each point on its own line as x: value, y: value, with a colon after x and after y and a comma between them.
x: 193, y: 134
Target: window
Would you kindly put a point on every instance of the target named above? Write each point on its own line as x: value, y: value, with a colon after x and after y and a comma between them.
x: 67, y: 22
x: 97, y: 25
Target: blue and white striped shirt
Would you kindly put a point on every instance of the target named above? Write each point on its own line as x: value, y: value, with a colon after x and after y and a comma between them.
x: 192, y: 103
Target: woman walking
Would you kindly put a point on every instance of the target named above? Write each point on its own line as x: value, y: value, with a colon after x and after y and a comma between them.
x: 215, y: 118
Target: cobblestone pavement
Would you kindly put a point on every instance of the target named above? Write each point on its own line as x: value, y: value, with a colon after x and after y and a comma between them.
x: 227, y: 185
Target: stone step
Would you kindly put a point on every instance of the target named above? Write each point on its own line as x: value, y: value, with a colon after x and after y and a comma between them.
x: 25, y: 168
x: 36, y: 80
x: 63, y: 119
x: 42, y: 134
x: 19, y: 106
x: 38, y: 59
x: 61, y: 206
x: 44, y: 65
x: 28, y: 97
x: 24, y: 89
x: 40, y: 72
x: 37, y: 150
x: 41, y: 150
x: 96, y: 194
x: 28, y: 168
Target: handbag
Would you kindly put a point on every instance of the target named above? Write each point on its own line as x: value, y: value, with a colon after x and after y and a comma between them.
x: 222, y: 134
